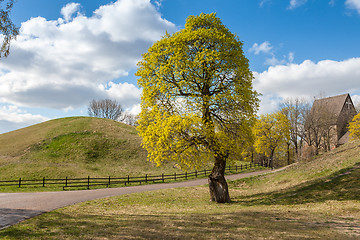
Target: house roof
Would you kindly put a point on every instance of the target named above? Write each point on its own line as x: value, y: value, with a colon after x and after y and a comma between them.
x: 333, y: 105
x: 344, y: 139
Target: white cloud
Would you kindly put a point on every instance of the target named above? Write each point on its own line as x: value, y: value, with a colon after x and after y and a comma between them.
x: 307, y: 79
x: 296, y: 3
x: 60, y: 64
x: 69, y: 10
x: 11, y: 118
x: 273, y: 61
x: 158, y: 3
x: 135, y: 110
x: 356, y: 99
x: 291, y: 57
x: 353, y: 4
x: 125, y: 93
x: 264, y: 47
x: 269, y: 103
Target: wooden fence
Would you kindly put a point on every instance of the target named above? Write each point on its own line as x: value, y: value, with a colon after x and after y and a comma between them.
x: 89, y: 181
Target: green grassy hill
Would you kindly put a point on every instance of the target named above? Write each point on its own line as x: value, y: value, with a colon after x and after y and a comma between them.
x: 74, y: 147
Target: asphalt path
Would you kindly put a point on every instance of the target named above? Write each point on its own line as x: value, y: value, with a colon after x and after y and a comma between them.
x: 17, y: 207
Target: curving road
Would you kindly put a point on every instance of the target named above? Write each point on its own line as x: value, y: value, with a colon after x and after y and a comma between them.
x: 16, y: 207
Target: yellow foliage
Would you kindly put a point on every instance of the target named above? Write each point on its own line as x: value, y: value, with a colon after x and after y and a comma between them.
x: 197, y: 102
x: 354, y: 127
x: 271, y: 131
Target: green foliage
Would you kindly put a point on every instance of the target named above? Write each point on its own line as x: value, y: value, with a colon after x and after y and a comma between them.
x: 197, y: 103
x: 354, y: 127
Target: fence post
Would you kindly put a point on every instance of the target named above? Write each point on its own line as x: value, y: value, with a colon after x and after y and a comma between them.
x: 43, y: 181
x: 175, y: 176
x: 109, y: 180
x: 241, y: 167
x: 196, y: 173
x: 128, y: 179
x: 162, y: 176
x: 19, y: 182
x: 66, y: 180
x: 186, y: 175
x: 146, y: 178
x: 229, y: 169
x: 88, y: 186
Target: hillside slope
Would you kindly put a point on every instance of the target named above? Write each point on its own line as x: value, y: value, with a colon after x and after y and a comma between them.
x: 73, y: 147
x: 334, y: 175
x: 316, y: 199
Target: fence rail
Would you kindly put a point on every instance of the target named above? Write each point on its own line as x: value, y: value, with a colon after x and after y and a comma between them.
x: 96, y: 181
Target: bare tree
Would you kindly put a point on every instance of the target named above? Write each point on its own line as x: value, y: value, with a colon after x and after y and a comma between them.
x: 130, y: 119
x: 295, y: 111
x: 319, y: 127
x: 105, y: 108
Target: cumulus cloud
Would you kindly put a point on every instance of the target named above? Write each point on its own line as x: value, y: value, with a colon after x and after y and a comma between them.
x: 69, y: 10
x: 353, y: 4
x: 61, y: 64
x: 307, y: 79
x: 264, y: 47
x: 11, y: 118
x: 296, y: 3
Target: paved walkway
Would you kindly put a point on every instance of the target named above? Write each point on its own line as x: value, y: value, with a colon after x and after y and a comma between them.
x: 16, y: 207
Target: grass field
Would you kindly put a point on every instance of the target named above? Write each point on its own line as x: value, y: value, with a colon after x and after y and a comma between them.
x: 318, y: 199
x: 73, y: 147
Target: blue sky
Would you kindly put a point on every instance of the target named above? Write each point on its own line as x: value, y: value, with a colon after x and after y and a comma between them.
x: 69, y: 52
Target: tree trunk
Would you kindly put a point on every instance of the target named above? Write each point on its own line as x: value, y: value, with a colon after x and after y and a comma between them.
x: 218, y: 187
x: 272, y: 158
x: 288, y: 153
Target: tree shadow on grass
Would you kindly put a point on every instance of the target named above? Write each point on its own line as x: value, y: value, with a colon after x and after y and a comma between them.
x: 10, y: 216
x: 341, y: 186
x: 243, y: 224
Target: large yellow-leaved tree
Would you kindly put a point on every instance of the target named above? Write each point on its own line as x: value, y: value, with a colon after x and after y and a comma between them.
x: 198, y: 103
